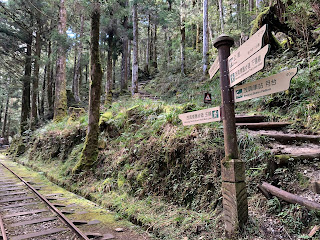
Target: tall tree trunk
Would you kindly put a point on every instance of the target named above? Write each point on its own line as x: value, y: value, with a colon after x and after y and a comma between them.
x: 155, y: 56
x: 147, y: 68
x: 109, y: 82
x: 60, y: 101
x: 135, y: 62
x: 90, y: 152
x: 41, y: 108
x: 50, y: 82
x: 205, y: 57
x: 25, y: 103
x: 221, y: 15
x: 124, y: 60
x: 124, y: 66
x: 76, y: 78
x: 5, y: 119
x: 198, y: 41
x: 210, y: 35
x: 35, y: 83
x: 182, y: 36
x: 1, y: 111
x: 114, y: 62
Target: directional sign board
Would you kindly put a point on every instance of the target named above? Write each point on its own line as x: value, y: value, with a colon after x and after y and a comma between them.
x: 251, y: 46
x: 202, y: 116
x: 214, y: 68
x: 275, y: 83
x: 249, y: 67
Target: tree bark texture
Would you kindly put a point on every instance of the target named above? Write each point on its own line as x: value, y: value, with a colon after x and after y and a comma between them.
x: 109, y: 82
x: 205, y: 54
x: 25, y: 103
x: 182, y: 37
x: 50, y: 82
x: 147, y: 67
x: 135, y: 61
x: 90, y: 151
x: 41, y: 107
x: 77, y: 73
x: 5, y: 119
x: 155, y: 55
x: 35, y: 82
x: 60, y: 102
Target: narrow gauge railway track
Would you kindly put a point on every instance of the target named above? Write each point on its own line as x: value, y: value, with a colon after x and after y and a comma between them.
x: 26, y: 214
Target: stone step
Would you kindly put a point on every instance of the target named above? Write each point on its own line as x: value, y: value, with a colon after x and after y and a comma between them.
x: 263, y: 125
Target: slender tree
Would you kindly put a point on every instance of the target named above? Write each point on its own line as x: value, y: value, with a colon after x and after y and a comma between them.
x: 60, y: 102
x: 135, y: 66
x: 182, y: 37
x: 90, y: 151
x: 205, y: 57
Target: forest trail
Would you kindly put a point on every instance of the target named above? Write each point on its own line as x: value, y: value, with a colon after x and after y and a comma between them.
x: 288, y: 149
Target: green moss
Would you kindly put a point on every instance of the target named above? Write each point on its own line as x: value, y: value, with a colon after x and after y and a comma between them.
x: 105, y: 117
x: 256, y: 24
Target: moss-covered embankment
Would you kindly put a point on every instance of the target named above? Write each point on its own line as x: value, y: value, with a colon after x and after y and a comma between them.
x: 150, y: 168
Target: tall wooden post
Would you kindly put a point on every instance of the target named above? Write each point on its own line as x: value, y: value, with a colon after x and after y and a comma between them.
x: 235, y: 203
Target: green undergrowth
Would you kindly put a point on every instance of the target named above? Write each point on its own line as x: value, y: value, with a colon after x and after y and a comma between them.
x: 150, y: 169
x: 299, y: 104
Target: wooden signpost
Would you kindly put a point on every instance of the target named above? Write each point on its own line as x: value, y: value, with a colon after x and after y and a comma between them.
x: 249, y: 67
x: 266, y: 86
x: 244, y: 62
x: 214, y: 68
x: 251, y: 46
x: 202, y: 116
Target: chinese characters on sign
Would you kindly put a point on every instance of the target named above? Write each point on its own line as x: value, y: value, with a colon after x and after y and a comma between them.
x: 275, y: 83
x: 249, y: 67
x: 201, y: 116
x: 251, y: 46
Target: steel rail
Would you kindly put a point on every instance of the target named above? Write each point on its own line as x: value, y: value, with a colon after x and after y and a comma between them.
x: 50, y: 205
x: 3, y: 231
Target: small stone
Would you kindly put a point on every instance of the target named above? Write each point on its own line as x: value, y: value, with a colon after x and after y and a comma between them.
x: 119, y: 229
x: 107, y: 236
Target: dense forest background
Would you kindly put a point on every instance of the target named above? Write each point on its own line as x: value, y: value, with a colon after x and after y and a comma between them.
x: 170, y: 38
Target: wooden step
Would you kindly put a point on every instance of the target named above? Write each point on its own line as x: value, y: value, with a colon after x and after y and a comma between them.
x: 263, y: 125
x: 250, y: 119
x: 287, y: 137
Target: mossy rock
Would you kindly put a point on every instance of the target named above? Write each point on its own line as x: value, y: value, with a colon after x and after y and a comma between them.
x: 21, y: 149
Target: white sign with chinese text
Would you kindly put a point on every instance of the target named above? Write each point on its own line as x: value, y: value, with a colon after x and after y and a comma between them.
x: 275, y: 83
x: 249, y: 67
x: 201, y: 116
x: 214, y: 68
x: 251, y: 46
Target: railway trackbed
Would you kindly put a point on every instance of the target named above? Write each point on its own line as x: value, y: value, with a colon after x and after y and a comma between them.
x: 26, y: 214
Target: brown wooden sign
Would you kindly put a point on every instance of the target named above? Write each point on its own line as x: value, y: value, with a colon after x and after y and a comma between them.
x: 251, y: 46
x: 214, y: 68
x: 273, y: 84
x: 201, y: 116
x: 249, y: 67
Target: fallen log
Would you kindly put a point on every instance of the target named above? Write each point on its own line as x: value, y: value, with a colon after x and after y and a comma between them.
x: 289, y: 197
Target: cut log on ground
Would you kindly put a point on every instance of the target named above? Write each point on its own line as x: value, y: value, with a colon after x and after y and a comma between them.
x: 289, y: 197
x: 263, y: 125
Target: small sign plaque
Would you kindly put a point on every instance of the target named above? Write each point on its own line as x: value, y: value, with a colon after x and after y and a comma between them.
x: 275, y: 83
x: 251, y: 46
x: 249, y: 67
x: 207, y: 98
x: 201, y: 116
x: 214, y: 68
